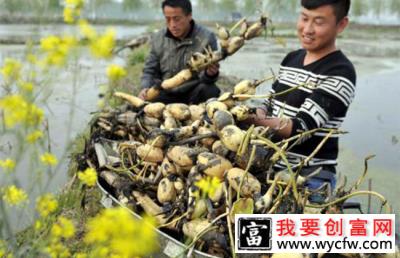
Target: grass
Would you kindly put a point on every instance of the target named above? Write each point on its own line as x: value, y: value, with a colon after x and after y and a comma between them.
x: 75, y: 202
x: 135, y: 63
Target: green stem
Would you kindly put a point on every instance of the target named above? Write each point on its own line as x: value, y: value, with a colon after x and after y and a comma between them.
x: 344, y: 198
x: 228, y: 220
x: 174, y: 220
x: 272, y: 145
x: 245, y: 142
x: 357, y: 184
x: 253, y: 152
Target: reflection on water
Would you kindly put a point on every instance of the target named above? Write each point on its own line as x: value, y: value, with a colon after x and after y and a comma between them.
x: 372, y: 122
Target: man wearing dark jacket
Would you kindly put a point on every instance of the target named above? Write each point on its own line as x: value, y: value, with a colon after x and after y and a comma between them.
x: 171, y: 49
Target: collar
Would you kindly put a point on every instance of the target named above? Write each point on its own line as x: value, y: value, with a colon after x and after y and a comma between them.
x: 168, y: 34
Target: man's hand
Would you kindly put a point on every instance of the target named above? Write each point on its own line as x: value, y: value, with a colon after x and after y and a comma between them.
x: 143, y: 93
x: 258, y: 118
x: 212, y: 70
x: 283, y: 126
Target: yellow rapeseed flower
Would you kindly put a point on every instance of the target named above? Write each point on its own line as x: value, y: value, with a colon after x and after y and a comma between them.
x: 14, y: 195
x: 102, y: 46
x: 115, y: 72
x: 17, y: 110
x: 7, y: 165
x: 49, y: 159
x: 34, y: 115
x: 72, y: 10
x: 88, y: 177
x: 55, y: 58
x: 14, y: 108
x: 208, y: 185
x: 12, y: 101
x: 87, y: 30
x: 34, y: 136
x: 69, y: 41
x: 46, y: 205
x: 57, y: 250
x: 25, y: 86
x: 100, y: 252
x: 69, y: 15
x: 75, y: 3
x: 117, y: 230
x: 38, y: 225
x: 57, y: 49
x: 81, y: 255
x: 31, y: 58
x: 11, y: 69
x: 63, y: 228
x: 101, y: 103
x: 49, y: 43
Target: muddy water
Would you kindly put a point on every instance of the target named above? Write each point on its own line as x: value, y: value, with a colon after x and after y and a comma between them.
x: 34, y: 32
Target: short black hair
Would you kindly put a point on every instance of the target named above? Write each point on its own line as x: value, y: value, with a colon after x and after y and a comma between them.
x: 340, y: 7
x: 186, y: 5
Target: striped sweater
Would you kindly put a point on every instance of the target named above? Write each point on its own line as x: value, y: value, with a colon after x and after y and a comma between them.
x: 326, y: 90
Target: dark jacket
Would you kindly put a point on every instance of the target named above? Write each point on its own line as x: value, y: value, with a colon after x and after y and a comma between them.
x: 169, y: 55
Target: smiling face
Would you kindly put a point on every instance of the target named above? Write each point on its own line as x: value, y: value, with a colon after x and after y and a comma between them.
x: 177, y: 21
x: 317, y: 29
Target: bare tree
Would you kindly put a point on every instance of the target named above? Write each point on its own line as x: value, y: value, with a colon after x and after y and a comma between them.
x: 358, y: 7
x: 250, y: 7
x: 206, y: 4
x: 395, y: 7
x: 377, y: 6
x: 54, y: 4
x: 12, y: 6
x: 132, y: 6
x: 228, y: 5
x: 156, y: 4
x: 95, y: 5
x: 282, y: 6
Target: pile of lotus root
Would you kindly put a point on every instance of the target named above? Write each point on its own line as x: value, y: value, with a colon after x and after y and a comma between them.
x: 193, y: 167
x: 152, y: 156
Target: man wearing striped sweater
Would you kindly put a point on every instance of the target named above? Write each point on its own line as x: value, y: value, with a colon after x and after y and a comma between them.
x: 323, y: 81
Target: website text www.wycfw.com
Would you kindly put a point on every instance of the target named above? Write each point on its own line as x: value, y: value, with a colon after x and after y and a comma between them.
x: 316, y: 233
x: 328, y: 246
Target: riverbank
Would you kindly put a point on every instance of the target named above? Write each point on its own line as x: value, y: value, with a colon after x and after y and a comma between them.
x: 24, y: 30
